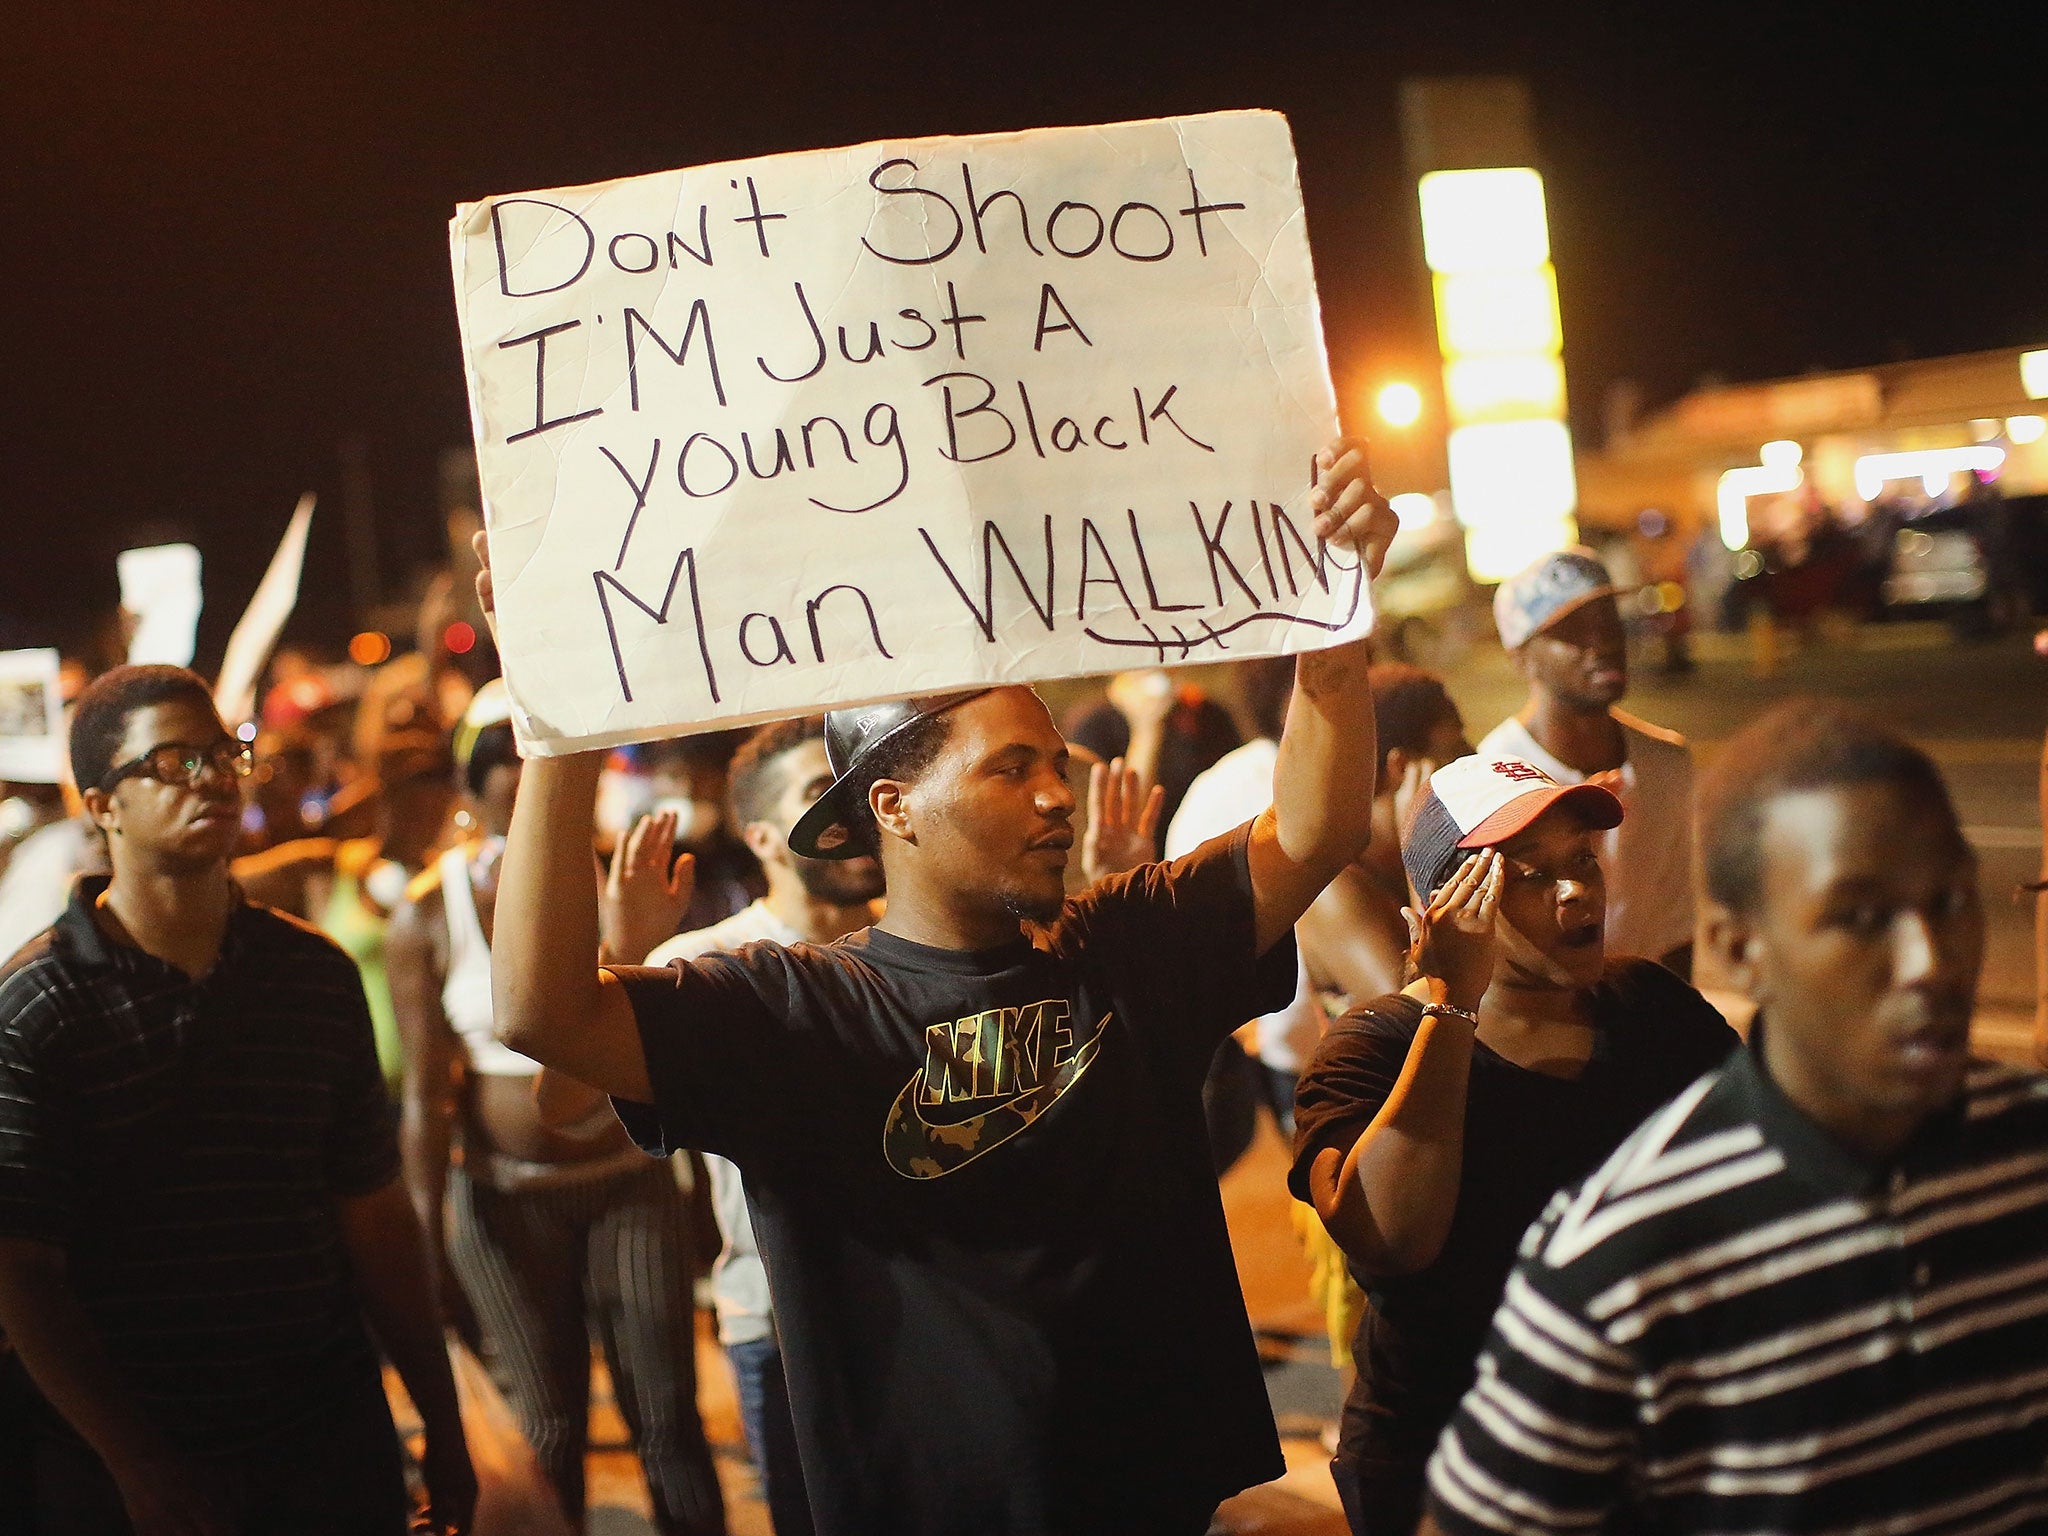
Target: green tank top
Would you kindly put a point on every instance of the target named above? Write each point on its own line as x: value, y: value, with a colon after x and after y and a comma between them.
x: 349, y: 921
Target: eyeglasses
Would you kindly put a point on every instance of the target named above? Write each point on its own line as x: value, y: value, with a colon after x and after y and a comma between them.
x: 177, y: 763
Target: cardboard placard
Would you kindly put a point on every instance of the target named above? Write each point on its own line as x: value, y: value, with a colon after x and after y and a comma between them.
x: 811, y: 430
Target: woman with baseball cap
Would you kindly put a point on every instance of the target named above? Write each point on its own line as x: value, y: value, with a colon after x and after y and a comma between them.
x: 1434, y: 1125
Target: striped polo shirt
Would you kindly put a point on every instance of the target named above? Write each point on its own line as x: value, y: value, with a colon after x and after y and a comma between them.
x: 1736, y: 1325
x: 184, y: 1144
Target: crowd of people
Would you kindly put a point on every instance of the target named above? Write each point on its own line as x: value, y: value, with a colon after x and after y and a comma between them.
x: 927, y: 1034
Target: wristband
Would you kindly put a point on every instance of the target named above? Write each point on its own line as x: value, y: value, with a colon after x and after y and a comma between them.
x: 1452, y: 1013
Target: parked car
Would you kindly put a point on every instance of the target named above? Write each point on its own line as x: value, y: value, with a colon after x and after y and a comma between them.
x: 1957, y: 563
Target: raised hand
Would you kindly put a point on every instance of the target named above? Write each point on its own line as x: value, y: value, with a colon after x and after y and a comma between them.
x: 486, y: 594
x: 1350, y: 513
x: 644, y: 892
x: 1123, y: 820
x: 1452, y: 938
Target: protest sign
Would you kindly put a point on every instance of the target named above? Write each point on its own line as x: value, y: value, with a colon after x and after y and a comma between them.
x: 256, y: 631
x: 821, y: 428
x: 31, y: 718
x: 160, y: 590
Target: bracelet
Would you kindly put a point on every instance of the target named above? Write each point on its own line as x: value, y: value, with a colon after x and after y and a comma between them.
x: 1452, y: 1013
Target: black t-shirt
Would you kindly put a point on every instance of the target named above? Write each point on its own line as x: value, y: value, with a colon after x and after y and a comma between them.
x: 1527, y: 1135
x: 982, y: 1188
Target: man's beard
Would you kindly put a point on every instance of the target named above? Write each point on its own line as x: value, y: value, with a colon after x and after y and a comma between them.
x: 840, y: 882
x: 1028, y: 907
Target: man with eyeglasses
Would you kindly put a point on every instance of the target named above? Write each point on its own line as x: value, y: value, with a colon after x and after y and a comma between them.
x: 199, y: 1193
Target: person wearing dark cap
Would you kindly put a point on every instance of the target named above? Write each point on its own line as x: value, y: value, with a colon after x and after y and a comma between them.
x: 1431, y: 1130
x: 973, y: 1133
x: 1561, y: 624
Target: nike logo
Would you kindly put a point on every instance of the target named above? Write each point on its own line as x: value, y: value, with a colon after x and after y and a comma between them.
x: 985, y: 1079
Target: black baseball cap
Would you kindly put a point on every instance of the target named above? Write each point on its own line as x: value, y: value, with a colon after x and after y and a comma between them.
x: 852, y: 736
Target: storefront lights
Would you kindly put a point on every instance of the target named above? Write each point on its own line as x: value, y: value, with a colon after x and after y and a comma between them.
x: 2034, y: 373
x: 1932, y: 467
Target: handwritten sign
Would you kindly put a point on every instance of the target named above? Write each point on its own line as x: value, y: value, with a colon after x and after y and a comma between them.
x: 31, y: 718
x: 160, y: 589
x: 822, y: 428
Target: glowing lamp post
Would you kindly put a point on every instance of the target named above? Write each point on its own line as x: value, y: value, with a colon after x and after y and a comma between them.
x: 1486, y: 238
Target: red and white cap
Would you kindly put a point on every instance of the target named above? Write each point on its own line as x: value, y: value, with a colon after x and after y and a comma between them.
x: 1483, y: 800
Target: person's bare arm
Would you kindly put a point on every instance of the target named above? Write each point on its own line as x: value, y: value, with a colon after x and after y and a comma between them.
x: 432, y: 1063
x: 279, y: 877
x: 1390, y: 1200
x: 1321, y: 816
x: 389, y: 1261
x: 166, y: 1494
x: 1352, y: 938
x: 549, y: 999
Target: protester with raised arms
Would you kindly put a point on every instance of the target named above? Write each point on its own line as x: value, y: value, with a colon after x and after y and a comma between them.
x: 973, y: 1133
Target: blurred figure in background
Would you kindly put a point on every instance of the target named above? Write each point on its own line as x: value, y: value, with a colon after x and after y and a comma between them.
x: 685, y: 776
x: 1560, y: 623
x: 348, y: 888
x: 1167, y: 735
x: 1354, y: 939
x: 548, y: 1233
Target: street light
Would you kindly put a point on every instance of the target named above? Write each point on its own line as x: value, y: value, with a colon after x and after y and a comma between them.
x: 1400, y: 404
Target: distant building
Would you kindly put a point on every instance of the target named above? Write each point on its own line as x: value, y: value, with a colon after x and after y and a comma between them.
x: 1719, y: 455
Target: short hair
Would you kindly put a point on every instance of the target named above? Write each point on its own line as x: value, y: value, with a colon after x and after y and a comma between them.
x: 404, y: 757
x: 100, y: 719
x: 704, y: 749
x: 1407, y: 702
x: 752, y: 788
x: 494, y: 746
x: 1800, y: 745
x: 1268, y: 685
x: 902, y: 757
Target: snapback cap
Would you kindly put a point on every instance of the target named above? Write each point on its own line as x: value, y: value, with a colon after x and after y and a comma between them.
x: 1532, y: 600
x: 1483, y: 800
x: 852, y: 737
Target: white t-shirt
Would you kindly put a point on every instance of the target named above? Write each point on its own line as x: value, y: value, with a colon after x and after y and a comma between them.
x: 1228, y: 794
x: 739, y: 1282
x: 1648, y: 858
x: 37, y: 884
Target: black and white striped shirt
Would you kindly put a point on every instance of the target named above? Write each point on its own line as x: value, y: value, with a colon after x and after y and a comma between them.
x: 185, y: 1143
x: 1737, y: 1326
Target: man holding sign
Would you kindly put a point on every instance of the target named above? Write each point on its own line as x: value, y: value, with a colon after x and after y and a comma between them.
x: 973, y: 1134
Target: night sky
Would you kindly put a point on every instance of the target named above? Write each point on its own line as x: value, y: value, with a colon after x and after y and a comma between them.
x: 225, y: 223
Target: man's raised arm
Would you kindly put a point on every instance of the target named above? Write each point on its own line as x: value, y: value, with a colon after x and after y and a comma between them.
x: 1321, y: 816
x: 548, y: 998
